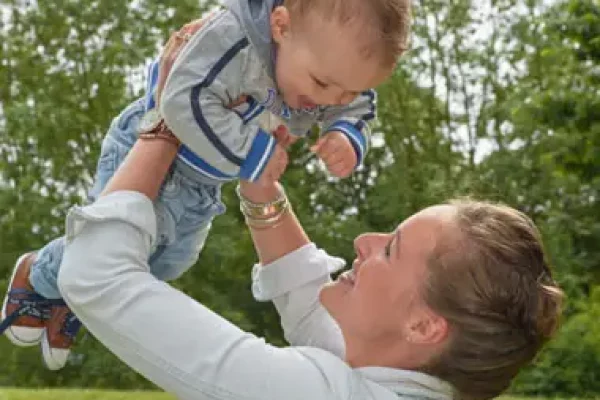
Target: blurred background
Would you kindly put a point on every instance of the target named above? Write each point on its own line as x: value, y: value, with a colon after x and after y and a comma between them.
x: 497, y: 100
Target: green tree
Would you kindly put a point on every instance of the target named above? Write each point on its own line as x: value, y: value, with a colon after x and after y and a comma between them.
x: 67, y: 68
x: 496, y: 100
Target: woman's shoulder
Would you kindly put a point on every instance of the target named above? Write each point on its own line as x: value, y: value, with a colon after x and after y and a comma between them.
x: 346, y: 382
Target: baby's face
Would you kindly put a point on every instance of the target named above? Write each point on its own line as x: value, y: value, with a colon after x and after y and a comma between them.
x: 320, y: 63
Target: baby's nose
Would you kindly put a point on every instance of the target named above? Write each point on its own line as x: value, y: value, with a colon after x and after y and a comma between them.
x: 345, y: 98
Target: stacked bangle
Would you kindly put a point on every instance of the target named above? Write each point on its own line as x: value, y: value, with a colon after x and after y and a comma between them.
x: 263, y: 215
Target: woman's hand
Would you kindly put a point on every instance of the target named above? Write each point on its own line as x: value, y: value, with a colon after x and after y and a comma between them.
x: 284, y: 137
x: 275, y: 167
x: 172, y: 49
x: 260, y: 192
x: 148, y: 162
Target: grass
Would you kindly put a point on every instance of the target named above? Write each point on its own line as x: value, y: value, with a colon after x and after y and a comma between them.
x: 85, y: 394
x: 79, y: 394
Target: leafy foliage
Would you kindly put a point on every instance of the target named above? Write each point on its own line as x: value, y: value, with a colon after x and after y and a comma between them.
x: 496, y: 100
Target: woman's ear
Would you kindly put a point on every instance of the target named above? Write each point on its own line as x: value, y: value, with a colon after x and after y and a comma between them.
x: 280, y: 24
x: 427, y: 328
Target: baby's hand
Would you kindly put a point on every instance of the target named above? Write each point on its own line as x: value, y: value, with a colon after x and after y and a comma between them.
x: 275, y: 166
x: 337, y: 152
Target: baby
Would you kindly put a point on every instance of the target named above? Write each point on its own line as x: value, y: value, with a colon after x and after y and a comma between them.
x: 300, y: 61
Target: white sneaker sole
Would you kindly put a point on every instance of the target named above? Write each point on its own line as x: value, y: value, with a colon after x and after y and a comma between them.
x: 19, y: 335
x: 54, y: 359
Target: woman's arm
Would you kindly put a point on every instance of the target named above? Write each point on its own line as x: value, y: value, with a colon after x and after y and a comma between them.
x: 291, y: 273
x: 272, y: 243
x: 144, y: 169
x: 164, y: 334
x: 147, y: 164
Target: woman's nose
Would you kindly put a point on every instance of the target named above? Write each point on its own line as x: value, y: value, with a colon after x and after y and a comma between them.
x: 365, y: 243
x: 360, y: 246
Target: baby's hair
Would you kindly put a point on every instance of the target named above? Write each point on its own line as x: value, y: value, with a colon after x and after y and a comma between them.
x: 385, y: 24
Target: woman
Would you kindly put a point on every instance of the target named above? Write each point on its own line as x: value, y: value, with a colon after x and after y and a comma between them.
x: 450, y: 305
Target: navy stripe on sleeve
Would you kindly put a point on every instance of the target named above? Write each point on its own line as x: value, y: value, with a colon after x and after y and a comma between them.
x: 197, y: 110
x: 356, y: 137
x: 371, y: 95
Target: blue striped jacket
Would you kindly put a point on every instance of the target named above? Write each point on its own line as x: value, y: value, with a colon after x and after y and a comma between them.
x: 219, y: 65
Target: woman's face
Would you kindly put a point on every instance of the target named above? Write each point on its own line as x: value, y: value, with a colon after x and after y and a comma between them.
x: 380, y: 298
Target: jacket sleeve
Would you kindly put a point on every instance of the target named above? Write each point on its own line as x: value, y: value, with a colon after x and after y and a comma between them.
x: 205, y: 78
x: 353, y: 120
x: 165, y: 335
x: 293, y: 283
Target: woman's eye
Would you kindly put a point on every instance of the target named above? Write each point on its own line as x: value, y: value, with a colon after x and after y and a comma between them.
x: 388, y: 249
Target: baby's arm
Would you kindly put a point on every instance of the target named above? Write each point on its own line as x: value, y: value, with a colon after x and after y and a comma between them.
x: 204, y: 80
x: 353, y: 122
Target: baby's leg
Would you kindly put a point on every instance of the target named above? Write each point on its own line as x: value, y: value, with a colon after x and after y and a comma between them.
x: 44, y: 269
x: 115, y: 146
x: 33, y: 311
x: 63, y: 325
x: 185, y: 209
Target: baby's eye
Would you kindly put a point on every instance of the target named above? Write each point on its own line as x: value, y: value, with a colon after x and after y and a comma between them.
x: 321, y: 84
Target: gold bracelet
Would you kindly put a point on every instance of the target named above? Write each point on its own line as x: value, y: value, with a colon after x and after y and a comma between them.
x: 270, y: 223
x: 262, y: 210
x: 264, y: 215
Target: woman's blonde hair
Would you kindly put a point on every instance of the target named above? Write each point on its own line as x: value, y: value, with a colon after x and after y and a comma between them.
x: 490, y: 279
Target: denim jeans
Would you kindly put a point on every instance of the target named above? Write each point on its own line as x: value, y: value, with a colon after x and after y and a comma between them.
x: 184, y: 209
